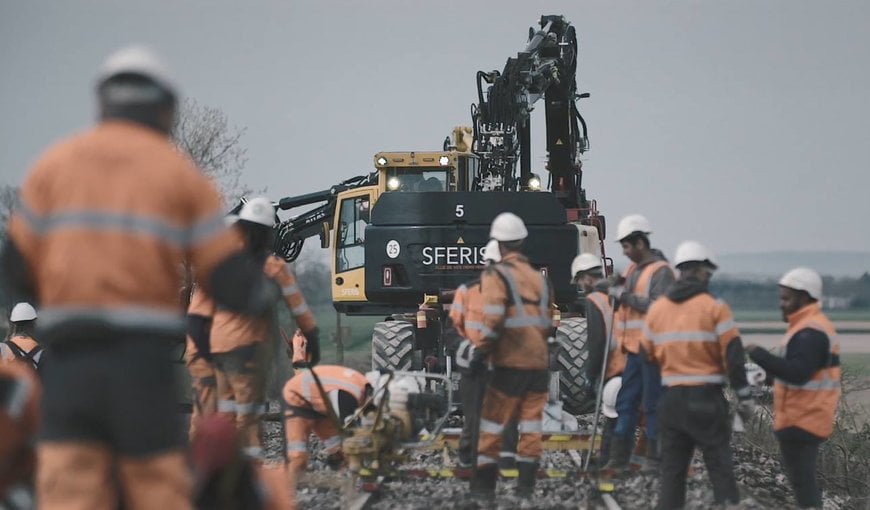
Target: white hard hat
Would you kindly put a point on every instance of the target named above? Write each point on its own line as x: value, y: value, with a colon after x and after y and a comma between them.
x: 631, y: 224
x: 141, y: 61
x: 258, y: 210
x: 22, y: 312
x: 803, y: 278
x: 508, y: 227
x: 584, y: 262
x: 608, y: 397
x: 491, y: 251
x: 693, y: 251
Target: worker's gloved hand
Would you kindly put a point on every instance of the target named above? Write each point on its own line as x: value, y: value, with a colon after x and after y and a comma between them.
x: 616, y: 292
x: 464, y: 355
x: 478, y: 362
x: 313, y: 346
x: 746, y: 409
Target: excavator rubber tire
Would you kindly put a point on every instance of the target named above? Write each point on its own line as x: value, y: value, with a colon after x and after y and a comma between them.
x: 393, y: 346
x: 571, y: 358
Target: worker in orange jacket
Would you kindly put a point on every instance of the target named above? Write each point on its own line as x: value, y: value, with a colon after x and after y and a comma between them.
x: 588, y: 272
x: 106, y: 219
x: 20, y: 344
x: 467, y: 307
x: 306, y: 412
x: 807, y: 381
x: 517, y: 300
x: 692, y: 337
x: 238, y: 343
x: 643, y: 281
x: 19, y: 419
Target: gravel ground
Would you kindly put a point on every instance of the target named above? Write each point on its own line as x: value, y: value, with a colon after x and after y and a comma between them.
x: 762, y: 482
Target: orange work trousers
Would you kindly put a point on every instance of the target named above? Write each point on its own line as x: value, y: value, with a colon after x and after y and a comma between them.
x: 204, y: 383
x: 298, y: 429
x: 87, y: 476
x: 240, y: 396
x: 513, y: 395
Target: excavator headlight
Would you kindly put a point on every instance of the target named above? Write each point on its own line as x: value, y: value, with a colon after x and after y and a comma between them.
x: 392, y: 184
x: 443, y: 160
x: 534, y: 183
x: 382, y: 161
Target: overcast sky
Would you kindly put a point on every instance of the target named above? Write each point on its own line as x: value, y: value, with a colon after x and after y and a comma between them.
x: 741, y: 124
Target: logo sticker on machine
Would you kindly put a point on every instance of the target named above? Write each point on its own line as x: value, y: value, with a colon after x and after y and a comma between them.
x: 453, y: 258
x: 393, y: 248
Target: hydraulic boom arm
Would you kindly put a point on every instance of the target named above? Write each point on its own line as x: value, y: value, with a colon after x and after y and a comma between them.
x: 546, y: 69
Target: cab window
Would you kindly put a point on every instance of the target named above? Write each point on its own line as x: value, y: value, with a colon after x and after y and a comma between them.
x: 353, y: 219
x: 416, y: 179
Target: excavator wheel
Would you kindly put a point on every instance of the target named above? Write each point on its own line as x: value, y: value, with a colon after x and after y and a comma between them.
x: 393, y: 346
x: 572, y: 357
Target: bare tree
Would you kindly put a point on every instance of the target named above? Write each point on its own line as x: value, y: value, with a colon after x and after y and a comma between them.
x: 8, y: 203
x: 204, y: 133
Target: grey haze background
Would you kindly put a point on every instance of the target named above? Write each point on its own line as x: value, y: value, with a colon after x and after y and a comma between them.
x: 740, y: 124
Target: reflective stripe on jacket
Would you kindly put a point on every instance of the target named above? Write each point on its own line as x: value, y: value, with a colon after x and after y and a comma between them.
x: 628, y: 323
x: 812, y: 405
x: 301, y: 390
x: 615, y: 356
x: 106, y: 219
x: 689, y: 340
x: 517, y: 302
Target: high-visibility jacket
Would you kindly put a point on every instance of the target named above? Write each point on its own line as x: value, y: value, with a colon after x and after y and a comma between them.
x: 810, y: 406
x: 202, y: 305
x: 301, y: 390
x: 628, y: 322
x: 615, y: 356
x: 468, y: 309
x: 106, y: 219
x: 517, y: 303
x: 689, y: 339
x: 232, y: 330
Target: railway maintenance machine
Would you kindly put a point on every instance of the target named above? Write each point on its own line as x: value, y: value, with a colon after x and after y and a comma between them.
x: 405, y: 236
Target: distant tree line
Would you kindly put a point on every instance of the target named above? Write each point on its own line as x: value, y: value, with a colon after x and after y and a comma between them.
x: 843, y: 293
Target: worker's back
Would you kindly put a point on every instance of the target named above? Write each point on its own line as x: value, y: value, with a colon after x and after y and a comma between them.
x: 107, y: 218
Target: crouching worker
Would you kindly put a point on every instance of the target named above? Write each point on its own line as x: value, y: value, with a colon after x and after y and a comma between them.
x: 308, y: 412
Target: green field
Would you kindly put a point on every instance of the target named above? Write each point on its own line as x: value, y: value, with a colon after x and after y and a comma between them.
x: 776, y: 315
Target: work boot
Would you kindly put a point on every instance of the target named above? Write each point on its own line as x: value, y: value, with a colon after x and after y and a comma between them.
x: 482, y: 485
x: 653, y: 455
x: 528, y: 473
x: 620, y: 453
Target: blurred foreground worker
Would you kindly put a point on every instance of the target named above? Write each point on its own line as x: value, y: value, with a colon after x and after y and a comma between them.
x: 21, y: 344
x: 517, y: 300
x: 646, y: 278
x: 467, y: 308
x: 588, y: 272
x: 226, y: 478
x: 19, y: 418
x: 807, y: 381
x: 692, y: 337
x: 106, y: 219
x: 238, y: 343
x: 306, y: 413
